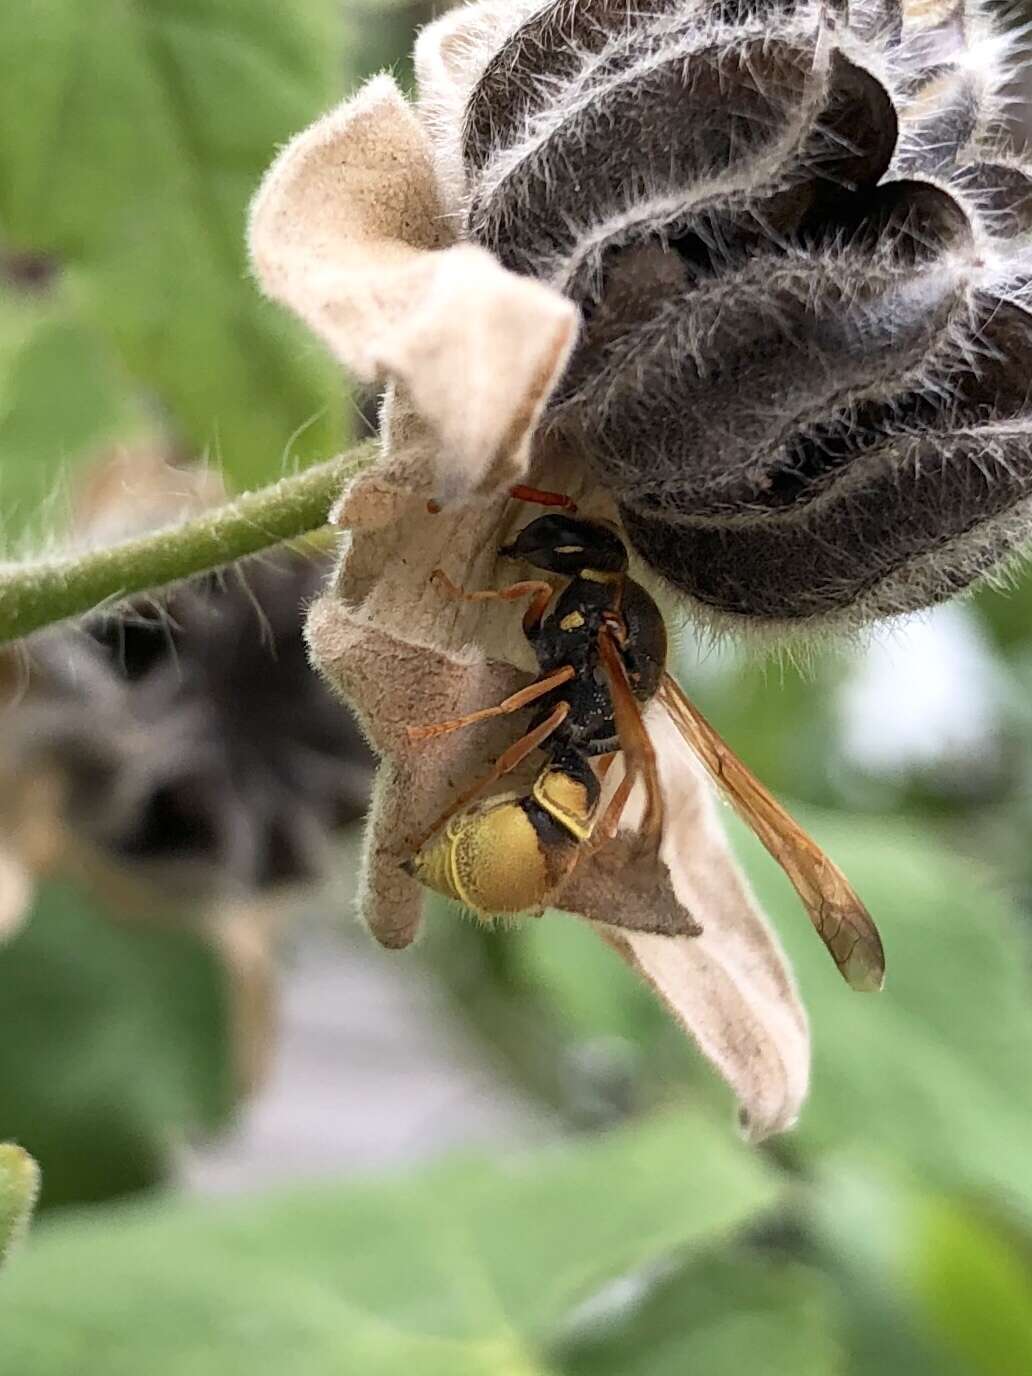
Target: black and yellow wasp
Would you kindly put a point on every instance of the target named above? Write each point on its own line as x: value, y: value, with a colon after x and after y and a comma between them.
x: 601, y: 645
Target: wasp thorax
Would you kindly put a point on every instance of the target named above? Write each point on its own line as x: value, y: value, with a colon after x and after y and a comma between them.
x: 802, y: 266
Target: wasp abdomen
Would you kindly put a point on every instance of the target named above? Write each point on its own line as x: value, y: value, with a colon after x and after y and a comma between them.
x: 509, y: 854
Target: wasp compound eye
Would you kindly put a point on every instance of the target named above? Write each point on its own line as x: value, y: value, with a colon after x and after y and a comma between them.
x: 802, y: 269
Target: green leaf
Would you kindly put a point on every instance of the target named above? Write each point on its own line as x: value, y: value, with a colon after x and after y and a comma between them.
x: 950, y: 1277
x: 463, y: 1270
x: 974, y: 1286
x: 931, y: 1074
x: 564, y: 960
x: 726, y: 1311
x: 19, y: 1187
x: 62, y: 397
x: 113, y: 1043
x: 134, y: 136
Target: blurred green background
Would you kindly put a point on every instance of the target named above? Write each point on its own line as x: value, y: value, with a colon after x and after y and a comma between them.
x: 890, y: 1234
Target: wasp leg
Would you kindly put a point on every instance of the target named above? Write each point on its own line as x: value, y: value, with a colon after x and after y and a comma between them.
x: 515, y: 703
x: 639, y: 755
x: 505, y: 764
x: 539, y: 591
x: 610, y: 822
x: 540, y: 498
x: 524, y: 494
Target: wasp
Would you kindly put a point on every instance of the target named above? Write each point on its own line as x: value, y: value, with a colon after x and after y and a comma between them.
x: 601, y: 647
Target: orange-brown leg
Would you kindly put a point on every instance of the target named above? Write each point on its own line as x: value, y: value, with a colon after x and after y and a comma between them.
x: 505, y: 764
x: 514, y: 703
x: 610, y: 823
x: 540, y: 593
x: 524, y: 494
x: 540, y: 498
x: 639, y: 754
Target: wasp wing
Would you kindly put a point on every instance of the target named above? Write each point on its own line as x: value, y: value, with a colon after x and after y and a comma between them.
x: 688, y: 923
x: 841, y: 920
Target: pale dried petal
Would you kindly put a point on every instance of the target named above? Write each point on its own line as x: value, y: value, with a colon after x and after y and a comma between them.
x: 135, y: 490
x: 403, y: 654
x: 392, y: 683
x: 730, y: 987
x: 15, y: 894
x: 390, y: 644
x: 350, y: 231
x: 353, y: 230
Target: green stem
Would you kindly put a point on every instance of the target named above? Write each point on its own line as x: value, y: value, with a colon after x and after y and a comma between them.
x: 34, y: 595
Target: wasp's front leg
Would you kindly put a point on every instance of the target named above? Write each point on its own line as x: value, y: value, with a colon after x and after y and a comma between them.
x: 540, y: 593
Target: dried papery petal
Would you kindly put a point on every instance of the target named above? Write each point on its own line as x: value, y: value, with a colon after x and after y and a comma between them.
x: 393, y: 683
x: 16, y: 889
x: 350, y: 230
x: 729, y: 986
x: 245, y: 936
x: 137, y: 489
x: 402, y: 653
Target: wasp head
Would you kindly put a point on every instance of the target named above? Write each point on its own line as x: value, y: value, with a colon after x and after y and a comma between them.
x: 564, y: 544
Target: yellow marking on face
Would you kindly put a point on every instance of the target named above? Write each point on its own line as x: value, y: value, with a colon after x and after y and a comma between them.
x: 600, y: 576
x: 569, y: 549
x: 573, y: 622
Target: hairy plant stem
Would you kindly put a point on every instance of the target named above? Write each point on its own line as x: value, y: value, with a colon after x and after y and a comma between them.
x: 38, y: 593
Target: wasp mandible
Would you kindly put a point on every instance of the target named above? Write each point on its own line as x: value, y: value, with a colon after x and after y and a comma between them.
x: 601, y: 646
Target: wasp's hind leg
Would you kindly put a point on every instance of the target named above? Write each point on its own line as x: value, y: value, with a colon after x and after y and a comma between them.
x: 515, y: 703
x: 505, y: 764
x: 609, y: 824
x: 639, y: 754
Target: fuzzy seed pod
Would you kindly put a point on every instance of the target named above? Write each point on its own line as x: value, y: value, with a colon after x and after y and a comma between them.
x: 355, y: 229
x: 196, y: 746
x: 801, y: 255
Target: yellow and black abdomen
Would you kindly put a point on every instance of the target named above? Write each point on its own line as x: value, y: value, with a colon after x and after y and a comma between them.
x: 509, y: 854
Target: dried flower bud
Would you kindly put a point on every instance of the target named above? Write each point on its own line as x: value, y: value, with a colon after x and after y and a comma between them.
x: 802, y: 264
x: 350, y: 228
x: 191, y: 740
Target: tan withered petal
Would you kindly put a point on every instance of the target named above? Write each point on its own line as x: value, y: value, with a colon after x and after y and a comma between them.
x: 350, y: 231
x: 729, y: 985
x: 402, y: 653
x: 15, y: 894
x: 136, y: 489
x: 353, y: 230
x: 30, y: 827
